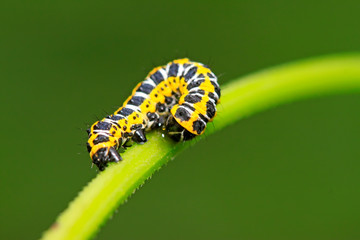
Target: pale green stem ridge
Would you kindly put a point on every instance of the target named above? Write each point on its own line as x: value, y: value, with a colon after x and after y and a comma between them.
x: 242, y: 97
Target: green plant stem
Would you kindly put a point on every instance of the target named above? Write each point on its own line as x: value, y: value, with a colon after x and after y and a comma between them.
x: 242, y: 97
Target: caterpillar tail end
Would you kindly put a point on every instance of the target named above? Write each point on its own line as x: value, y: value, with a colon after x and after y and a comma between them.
x: 176, y: 131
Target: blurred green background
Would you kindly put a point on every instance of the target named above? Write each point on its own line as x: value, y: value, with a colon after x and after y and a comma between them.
x: 292, y: 172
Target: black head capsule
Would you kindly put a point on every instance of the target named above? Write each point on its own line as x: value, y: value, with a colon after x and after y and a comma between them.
x: 104, y: 156
x: 139, y: 136
x: 99, y: 159
x: 101, y: 165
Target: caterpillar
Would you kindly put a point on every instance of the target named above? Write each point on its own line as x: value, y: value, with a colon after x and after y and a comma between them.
x: 179, y: 97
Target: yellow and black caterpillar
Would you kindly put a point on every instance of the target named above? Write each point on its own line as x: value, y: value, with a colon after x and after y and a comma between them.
x: 180, y: 97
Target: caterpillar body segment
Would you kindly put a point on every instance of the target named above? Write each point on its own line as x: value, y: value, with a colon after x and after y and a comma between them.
x: 179, y: 97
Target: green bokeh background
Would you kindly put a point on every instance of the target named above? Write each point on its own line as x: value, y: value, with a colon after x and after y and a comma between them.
x: 292, y: 172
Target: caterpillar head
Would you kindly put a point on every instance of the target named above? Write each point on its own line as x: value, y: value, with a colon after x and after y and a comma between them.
x: 102, y: 156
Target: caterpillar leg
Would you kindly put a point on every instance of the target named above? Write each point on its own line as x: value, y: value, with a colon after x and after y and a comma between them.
x: 155, y: 120
x: 159, y: 122
x: 139, y: 136
x: 127, y: 144
x: 176, y: 131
